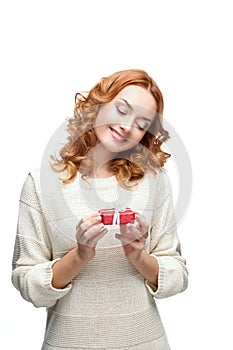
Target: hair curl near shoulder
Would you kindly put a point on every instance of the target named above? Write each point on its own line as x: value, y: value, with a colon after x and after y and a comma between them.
x: 130, y: 166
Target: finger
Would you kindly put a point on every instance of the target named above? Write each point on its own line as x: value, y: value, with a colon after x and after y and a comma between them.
x: 93, y: 215
x: 90, y: 222
x: 141, y: 219
x: 85, y: 225
x: 91, y: 233
x: 143, y: 231
x: 87, y: 218
x: 136, y: 230
x: 127, y: 238
x: 124, y: 240
x: 132, y: 232
x: 142, y: 222
x: 99, y: 235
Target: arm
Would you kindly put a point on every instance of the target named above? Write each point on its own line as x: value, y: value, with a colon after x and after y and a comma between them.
x: 163, y: 267
x: 67, y: 268
x: 133, y: 239
x: 148, y: 267
x: 88, y: 231
x: 32, y: 259
x: 165, y: 249
x: 41, y: 279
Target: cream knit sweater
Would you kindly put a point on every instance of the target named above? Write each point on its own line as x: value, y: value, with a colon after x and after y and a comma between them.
x: 108, y: 305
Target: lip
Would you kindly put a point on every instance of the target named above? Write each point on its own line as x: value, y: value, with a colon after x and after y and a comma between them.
x: 114, y: 132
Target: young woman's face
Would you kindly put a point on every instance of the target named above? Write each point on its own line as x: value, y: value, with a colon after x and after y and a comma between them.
x: 122, y: 123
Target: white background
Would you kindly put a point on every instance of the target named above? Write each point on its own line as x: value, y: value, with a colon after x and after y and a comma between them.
x: 52, y: 49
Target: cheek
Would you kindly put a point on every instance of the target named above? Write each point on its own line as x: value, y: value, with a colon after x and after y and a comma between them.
x: 138, y: 135
x: 100, y: 132
x: 105, y: 116
x: 100, y: 121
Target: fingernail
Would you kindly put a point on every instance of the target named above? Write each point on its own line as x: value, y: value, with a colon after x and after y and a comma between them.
x: 98, y: 218
x: 103, y: 230
x: 100, y: 226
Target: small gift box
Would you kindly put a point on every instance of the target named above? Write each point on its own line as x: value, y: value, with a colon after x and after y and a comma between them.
x: 113, y: 216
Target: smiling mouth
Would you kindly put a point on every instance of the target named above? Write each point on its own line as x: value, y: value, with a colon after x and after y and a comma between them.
x: 116, y: 135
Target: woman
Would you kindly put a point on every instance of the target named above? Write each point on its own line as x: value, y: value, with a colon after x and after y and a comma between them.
x: 99, y: 281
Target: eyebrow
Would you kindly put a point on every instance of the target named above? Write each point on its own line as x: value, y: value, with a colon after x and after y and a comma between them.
x: 129, y: 105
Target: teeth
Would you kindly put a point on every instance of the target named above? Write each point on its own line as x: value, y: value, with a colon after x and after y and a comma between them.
x: 117, y: 136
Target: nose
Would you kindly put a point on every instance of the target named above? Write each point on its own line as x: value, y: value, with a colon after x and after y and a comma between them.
x: 126, y: 124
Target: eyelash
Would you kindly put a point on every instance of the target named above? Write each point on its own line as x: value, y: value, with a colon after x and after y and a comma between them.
x: 124, y: 113
x: 120, y: 111
x: 139, y: 127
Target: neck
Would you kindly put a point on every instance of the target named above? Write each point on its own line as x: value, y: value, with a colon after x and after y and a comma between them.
x: 102, y: 158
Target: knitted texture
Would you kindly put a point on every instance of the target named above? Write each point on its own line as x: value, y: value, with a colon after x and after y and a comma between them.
x: 108, y: 305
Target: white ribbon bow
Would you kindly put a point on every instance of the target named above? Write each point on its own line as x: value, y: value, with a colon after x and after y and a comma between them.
x: 116, y: 216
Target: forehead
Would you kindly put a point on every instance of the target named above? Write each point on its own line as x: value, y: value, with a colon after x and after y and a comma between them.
x: 137, y: 96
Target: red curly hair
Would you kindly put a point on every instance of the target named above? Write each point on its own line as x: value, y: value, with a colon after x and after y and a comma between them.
x: 129, y: 166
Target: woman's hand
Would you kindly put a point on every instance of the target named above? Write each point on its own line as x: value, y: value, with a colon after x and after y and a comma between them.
x: 88, y: 232
x: 133, y: 237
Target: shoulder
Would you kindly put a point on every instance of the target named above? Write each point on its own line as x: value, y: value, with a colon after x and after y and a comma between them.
x: 45, y: 180
x: 29, y: 184
x: 160, y: 180
x: 28, y: 194
x: 37, y: 182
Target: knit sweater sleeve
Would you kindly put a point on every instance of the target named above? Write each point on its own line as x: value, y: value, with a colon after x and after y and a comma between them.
x: 165, y: 247
x: 32, y: 259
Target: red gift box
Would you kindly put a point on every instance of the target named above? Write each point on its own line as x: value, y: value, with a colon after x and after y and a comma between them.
x: 126, y: 216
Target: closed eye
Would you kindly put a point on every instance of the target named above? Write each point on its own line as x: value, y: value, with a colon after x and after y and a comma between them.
x: 143, y: 126
x: 121, y: 111
x: 140, y: 127
x: 121, y: 108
